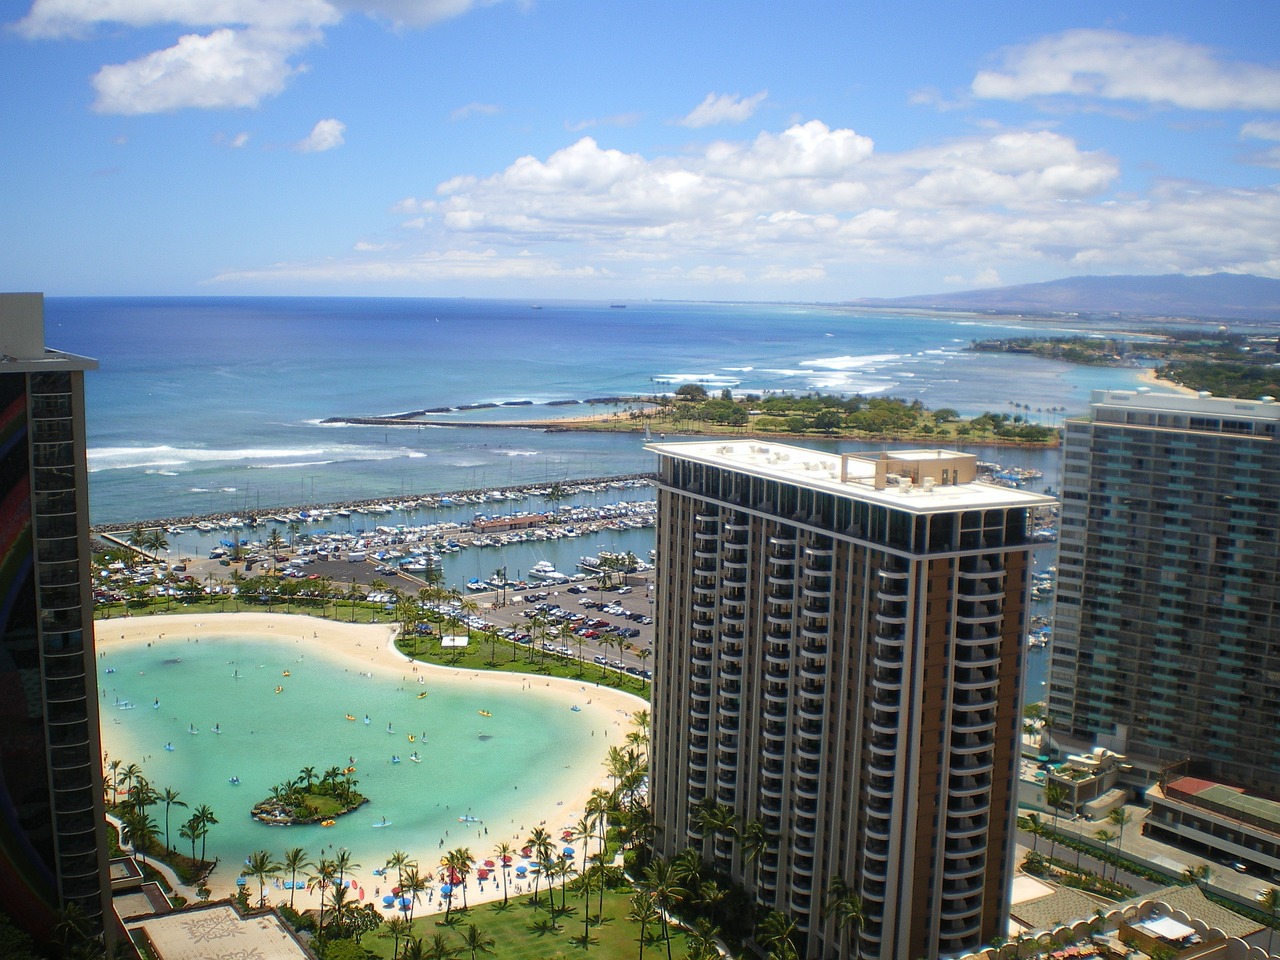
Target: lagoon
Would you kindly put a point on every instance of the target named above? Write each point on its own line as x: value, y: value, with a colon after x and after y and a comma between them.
x: 533, y: 755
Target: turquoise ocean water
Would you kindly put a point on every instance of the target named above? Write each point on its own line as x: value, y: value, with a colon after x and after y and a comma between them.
x: 532, y: 752
x: 215, y: 405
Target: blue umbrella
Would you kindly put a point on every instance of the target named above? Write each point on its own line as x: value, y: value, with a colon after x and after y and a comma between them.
x: 405, y: 903
x: 446, y: 890
x: 521, y: 870
x: 388, y: 900
x: 241, y: 881
x: 568, y: 851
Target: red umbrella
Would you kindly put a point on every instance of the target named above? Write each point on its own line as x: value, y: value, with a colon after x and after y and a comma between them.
x: 482, y: 874
x: 490, y: 864
x: 506, y: 861
x: 526, y: 852
x: 395, y: 891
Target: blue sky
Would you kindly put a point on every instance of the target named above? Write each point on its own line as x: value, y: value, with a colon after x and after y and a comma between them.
x: 604, y: 149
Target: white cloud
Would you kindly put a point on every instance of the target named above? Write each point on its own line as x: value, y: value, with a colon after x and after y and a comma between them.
x: 809, y: 202
x: 614, y: 120
x: 1112, y: 65
x: 75, y: 18
x: 1261, y: 130
x: 325, y: 135
x: 429, y: 267
x: 240, y: 53
x: 413, y: 13
x: 473, y: 109
x: 723, y: 108
x: 224, y: 69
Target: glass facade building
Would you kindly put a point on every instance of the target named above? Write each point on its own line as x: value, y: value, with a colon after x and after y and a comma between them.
x: 51, y: 803
x: 838, y: 667
x: 1166, y: 643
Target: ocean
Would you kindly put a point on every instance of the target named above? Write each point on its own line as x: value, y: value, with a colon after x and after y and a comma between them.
x: 215, y: 405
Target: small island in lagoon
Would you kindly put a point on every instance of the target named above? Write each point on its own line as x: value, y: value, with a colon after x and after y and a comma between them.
x: 311, y: 798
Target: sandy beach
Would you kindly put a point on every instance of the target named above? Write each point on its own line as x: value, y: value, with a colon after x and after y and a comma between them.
x: 1148, y: 376
x: 370, y: 648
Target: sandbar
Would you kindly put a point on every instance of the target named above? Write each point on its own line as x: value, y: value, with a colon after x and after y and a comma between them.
x: 371, y: 648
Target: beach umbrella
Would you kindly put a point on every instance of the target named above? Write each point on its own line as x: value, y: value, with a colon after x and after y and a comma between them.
x: 446, y: 890
x: 526, y: 852
x: 521, y: 870
x: 241, y: 881
x: 388, y: 900
x: 506, y: 861
x: 568, y: 851
x: 482, y: 874
x: 405, y: 904
x: 490, y: 864
x: 396, y: 891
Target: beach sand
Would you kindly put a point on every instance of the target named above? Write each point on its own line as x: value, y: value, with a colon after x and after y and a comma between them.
x: 1148, y: 376
x: 371, y: 648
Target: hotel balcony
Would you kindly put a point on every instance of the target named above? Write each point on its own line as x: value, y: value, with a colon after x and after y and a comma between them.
x: 735, y: 570
x: 875, y: 870
x: 705, y: 552
x: 977, y: 722
x: 813, y: 669
x: 965, y: 679
x: 881, y: 788
x: 965, y: 828
x: 877, y: 829
x: 811, y: 709
x: 777, y: 696
x: 968, y: 806
x: 771, y: 787
x: 968, y: 786
x: 966, y: 868
x: 978, y: 613
x: 971, y: 766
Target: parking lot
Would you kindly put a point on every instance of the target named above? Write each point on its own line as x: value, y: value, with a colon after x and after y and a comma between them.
x: 606, y: 627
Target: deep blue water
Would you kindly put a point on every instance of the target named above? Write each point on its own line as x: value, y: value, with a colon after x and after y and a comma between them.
x: 205, y: 405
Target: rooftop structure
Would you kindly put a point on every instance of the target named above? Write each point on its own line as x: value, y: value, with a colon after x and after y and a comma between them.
x: 1166, y: 642
x: 838, y: 670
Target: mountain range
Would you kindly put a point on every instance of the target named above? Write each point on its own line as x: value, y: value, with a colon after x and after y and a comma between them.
x: 1218, y: 296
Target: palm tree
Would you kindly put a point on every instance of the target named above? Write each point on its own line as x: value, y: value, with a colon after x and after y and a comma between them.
x: 1036, y: 829
x: 343, y: 863
x: 661, y: 882
x: 1201, y: 873
x: 845, y: 907
x: 462, y: 864
x: 1106, y: 836
x: 754, y: 841
x: 703, y: 940
x: 476, y: 942
x: 644, y: 912
x: 170, y: 799
x: 307, y: 778
x: 412, y: 883
x: 126, y: 777
x: 1054, y: 794
x: 203, y: 816
x: 584, y: 831
x: 325, y: 871
x: 775, y: 934
x: 439, y: 949
x: 1121, y: 818
x: 540, y: 841
x: 262, y: 867
x: 295, y: 859
x: 113, y: 769
x: 190, y: 831
x: 139, y: 830
x: 505, y: 855
x: 398, y: 859
x: 396, y: 928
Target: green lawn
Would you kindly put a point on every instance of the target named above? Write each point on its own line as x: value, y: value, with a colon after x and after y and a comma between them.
x: 521, y: 932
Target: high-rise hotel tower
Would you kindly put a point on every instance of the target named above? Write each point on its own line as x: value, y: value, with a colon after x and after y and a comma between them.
x: 839, y: 660
x: 51, y: 804
x: 1166, y: 640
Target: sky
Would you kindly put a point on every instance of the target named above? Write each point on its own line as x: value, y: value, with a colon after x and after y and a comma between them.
x: 615, y: 149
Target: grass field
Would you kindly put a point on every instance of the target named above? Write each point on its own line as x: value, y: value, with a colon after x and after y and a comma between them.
x: 522, y: 932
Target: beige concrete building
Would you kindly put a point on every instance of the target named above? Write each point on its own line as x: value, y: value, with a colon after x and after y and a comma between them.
x: 840, y: 646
